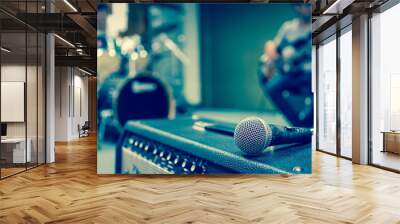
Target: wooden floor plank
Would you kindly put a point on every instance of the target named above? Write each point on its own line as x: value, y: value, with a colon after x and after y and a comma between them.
x: 70, y: 191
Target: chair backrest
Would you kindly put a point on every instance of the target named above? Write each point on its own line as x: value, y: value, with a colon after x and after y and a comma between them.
x: 86, y: 124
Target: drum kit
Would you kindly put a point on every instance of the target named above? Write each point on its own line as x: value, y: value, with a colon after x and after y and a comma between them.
x: 134, y: 90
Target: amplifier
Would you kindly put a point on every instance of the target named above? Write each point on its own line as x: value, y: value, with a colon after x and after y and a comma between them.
x: 161, y: 146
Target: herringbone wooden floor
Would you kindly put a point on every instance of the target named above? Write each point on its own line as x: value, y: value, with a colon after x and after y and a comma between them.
x: 70, y: 191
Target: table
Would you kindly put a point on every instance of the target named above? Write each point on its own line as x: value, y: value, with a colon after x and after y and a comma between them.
x: 17, y: 149
x: 391, y: 141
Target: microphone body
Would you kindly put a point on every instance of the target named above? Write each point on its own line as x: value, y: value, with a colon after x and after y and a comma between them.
x: 287, y: 135
x: 252, y: 135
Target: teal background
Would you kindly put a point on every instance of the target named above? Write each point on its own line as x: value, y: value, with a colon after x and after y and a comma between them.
x: 232, y: 41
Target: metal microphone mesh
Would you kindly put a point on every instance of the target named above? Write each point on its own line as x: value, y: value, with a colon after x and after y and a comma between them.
x: 252, y: 135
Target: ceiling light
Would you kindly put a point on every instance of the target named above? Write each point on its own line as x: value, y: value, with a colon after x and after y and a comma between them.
x: 65, y: 41
x: 84, y: 71
x: 5, y: 50
x: 334, y: 5
x: 70, y: 5
x: 337, y: 7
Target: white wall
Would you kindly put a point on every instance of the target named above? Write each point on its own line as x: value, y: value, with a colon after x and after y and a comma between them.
x: 12, y: 101
x: 79, y: 117
x: 70, y: 84
x: 12, y: 73
x: 62, y: 81
x: 33, y: 127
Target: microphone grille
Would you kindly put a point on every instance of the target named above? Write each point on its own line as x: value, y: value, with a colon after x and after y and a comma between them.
x: 252, y: 135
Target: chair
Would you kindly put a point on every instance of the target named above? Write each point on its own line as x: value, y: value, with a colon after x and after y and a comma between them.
x: 84, y: 129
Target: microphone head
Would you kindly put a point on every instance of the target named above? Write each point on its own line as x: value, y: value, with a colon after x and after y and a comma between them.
x: 252, y: 135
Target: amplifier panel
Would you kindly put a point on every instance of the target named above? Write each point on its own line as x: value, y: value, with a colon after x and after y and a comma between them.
x: 134, y: 163
x: 144, y: 156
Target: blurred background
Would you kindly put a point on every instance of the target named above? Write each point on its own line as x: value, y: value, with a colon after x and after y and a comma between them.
x: 221, y: 46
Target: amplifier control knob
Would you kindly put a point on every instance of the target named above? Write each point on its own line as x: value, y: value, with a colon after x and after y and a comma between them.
x: 203, y: 167
x: 169, y: 156
x: 146, y: 147
x: 184, y: 163
x: 141, y: 145
x: 193, y: 167
x: 155, y: 151
x: 163, y: 155
x: 177, y: 160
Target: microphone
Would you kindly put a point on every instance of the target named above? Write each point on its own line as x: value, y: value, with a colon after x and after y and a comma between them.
x: 252, y: 135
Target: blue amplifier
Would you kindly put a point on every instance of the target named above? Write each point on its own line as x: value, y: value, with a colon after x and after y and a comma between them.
x: 162, y: 146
